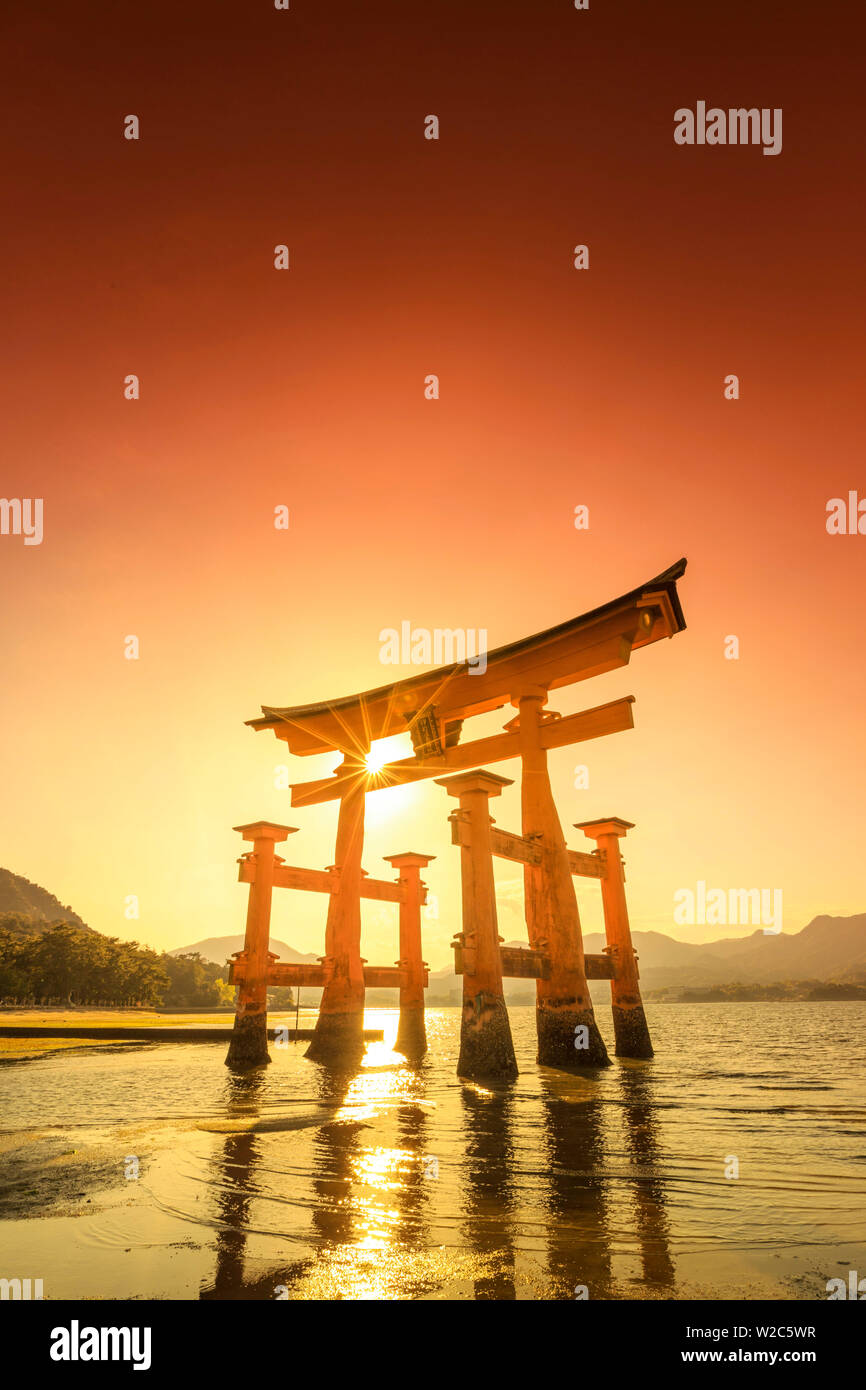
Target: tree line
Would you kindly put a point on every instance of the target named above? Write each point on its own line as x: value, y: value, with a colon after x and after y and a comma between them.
x: 67, y: 964
x: 780, y: 991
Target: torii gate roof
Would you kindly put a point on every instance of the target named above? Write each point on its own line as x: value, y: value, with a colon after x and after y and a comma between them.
x: 600, y: 640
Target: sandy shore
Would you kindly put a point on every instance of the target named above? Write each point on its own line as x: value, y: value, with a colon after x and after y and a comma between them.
x: 29, y: 1049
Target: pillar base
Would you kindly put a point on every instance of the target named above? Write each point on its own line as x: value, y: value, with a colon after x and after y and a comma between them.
x: 411, y: 1032
x: 338, y: 1039
x: 486, y: 1048
x: 631, y: 1032
x: 248, y: 1046
x: 557, y: 1035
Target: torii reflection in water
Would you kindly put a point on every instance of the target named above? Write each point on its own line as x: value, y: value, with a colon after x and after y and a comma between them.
x: 369, y: 1212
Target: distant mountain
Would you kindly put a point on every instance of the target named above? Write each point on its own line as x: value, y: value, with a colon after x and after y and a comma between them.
x: 219, y: 949
x: 22, y: 898
x: 829, y: 948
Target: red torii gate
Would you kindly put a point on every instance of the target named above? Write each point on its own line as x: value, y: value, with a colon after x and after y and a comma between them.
x: 433, y: 707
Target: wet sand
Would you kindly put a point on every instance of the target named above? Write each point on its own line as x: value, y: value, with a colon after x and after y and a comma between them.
x: 22, y: 1049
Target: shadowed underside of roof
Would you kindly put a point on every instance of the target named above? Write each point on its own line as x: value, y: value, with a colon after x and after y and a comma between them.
x: 596, y: 641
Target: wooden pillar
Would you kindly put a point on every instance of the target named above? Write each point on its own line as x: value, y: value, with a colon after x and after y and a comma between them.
x: 568, y: 1034
x: 486, y: 1048
x: 411, y: 1030
x: 339, y: 1033
x: 629, y: 1021
x: 249, y: 1041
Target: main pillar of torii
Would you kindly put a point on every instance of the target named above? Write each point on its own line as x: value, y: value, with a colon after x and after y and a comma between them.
x: 339, y: 1033
x: 568, y: 1034
x: 486, y: 1048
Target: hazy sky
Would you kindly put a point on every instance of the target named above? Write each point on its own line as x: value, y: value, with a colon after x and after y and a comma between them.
x: 305, y: 388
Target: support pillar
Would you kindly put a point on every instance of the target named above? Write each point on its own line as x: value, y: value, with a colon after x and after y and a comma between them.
x: 411, y: 1030
x: 249, y: 1041
x: 339, y: 1033
x: 486, y: 1048
x: 629, y: 1021
x: 563, y: 1001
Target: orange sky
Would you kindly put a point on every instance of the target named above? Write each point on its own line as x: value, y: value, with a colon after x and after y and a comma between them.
x: 306, y: 388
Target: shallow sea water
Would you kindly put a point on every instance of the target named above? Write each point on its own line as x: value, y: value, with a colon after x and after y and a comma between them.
x: 397, y: 1181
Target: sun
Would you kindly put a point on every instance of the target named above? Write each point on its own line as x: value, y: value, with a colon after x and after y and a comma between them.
x: 376, y: 759
x: 390, y: 797
x: 386, y: 750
